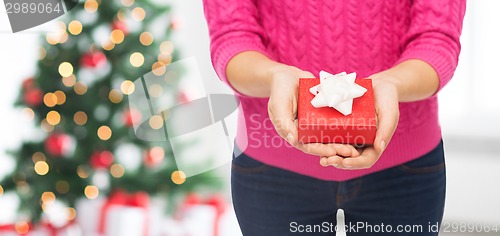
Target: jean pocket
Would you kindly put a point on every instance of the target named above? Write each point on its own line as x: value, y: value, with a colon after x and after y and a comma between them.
x: 246, y: 164
x: 431, y: 162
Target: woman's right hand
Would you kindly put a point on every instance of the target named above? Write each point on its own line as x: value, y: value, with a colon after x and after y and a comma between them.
x: 282, y: 109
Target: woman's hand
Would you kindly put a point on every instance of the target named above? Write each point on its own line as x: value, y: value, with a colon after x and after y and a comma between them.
x: 282, y: 109
x: 253, y: 74
x: 387, y: 109
x: 282, y: 105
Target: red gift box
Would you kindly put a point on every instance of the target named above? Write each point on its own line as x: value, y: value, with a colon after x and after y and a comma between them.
x: 119, y: 198
x: 327, y: 125
x: 194, y: 202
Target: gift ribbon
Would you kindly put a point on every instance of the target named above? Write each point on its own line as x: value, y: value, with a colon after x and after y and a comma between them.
x: 12, y: 228
x: 216, y: 201
x: 7, y: 227
x: 121, y: 198
x: 53, y: 230
x: 336, y: 91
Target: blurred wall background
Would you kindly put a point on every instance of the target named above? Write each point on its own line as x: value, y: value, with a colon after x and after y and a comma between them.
x: 470, y: 104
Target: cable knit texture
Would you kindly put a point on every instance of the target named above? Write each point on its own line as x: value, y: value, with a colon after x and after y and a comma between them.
x: 337, y: 35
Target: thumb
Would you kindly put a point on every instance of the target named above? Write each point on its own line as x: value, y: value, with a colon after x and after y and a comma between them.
x: 281, y: 109
x: 306, y: 74
x: 282, y: 106
x: 387, y: 109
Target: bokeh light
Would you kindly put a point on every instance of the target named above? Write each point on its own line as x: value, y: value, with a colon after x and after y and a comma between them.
x: 80, y: 88
x: 178, y: 177
x: 23, y: 188
x: 108, y: 45
x: 56, y: 37
x: 29, y: 113
x: 22, y: 227
x: 53, y: 117
x: 83, y: 172
x: 167, y: 47
x: 41, y: 168
x: 61, y: 97
x: 127, y: 3
x: 38, y: 156
x: 115, y: 96
x: 63, y: 37
x: 52, y: 38
x: 50, y: 99
x: 156, y: 155
x: 69, y: 81
x: 136, y: 59
x: 80, y: 118
x: 165, y: 58
x: 48, y: 197
x: 42, y: 53
x: 156, y: 122
x: 65, y: 69
x: 146, y: 38
x: 170, y: 77
x: 91, y: 192
x: 117, y: 36
x: 121, y: 15
x: 159, y: 68
x: 91, y: 6
x: 138, y: 14
x: 104, y: 132
x: 71, y: 213
x: 127, y: 87
x: 157, y: 152
x: 46, y: 126
x: 117, y: 170
x: 75, y: 27
x: 155, y: 90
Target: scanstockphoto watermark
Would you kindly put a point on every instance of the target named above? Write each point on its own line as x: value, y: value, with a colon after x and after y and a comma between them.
x: 430, y: 227
x: 200, y: 129
x: 336, y: 123
x: 261, y: 131
x: 329, y: 227
x: 331, y: 124
x: 205, y: 120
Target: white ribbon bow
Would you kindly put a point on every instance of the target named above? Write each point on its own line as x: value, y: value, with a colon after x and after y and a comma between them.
x: 337, y: 91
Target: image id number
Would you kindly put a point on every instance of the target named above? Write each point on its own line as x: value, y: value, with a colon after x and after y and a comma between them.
x: 447, y: 227
x: 32, y: 8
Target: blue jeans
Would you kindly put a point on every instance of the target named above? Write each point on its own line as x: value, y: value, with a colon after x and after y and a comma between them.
x: 404, y: 200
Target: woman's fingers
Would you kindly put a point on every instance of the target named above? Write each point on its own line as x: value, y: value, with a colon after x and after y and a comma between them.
x: 335, y: 161
x: 283, y: 122
x: 282, y: 106
x: 387, y: 108
x: 330, y: 149
x: 323, y: 161
x: 366, y: 160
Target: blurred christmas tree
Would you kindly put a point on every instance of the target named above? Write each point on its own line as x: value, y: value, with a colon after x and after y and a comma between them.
x: 78, y: 100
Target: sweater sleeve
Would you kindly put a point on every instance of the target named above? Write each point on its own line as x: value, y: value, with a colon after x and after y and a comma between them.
x: 434, y: 35
x: 233, y: 27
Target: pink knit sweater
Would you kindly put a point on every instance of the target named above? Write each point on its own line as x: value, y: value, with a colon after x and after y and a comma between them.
x: 338, y: 35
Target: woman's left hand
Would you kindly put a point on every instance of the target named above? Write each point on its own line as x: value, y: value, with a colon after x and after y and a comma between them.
x: 387, y: 109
